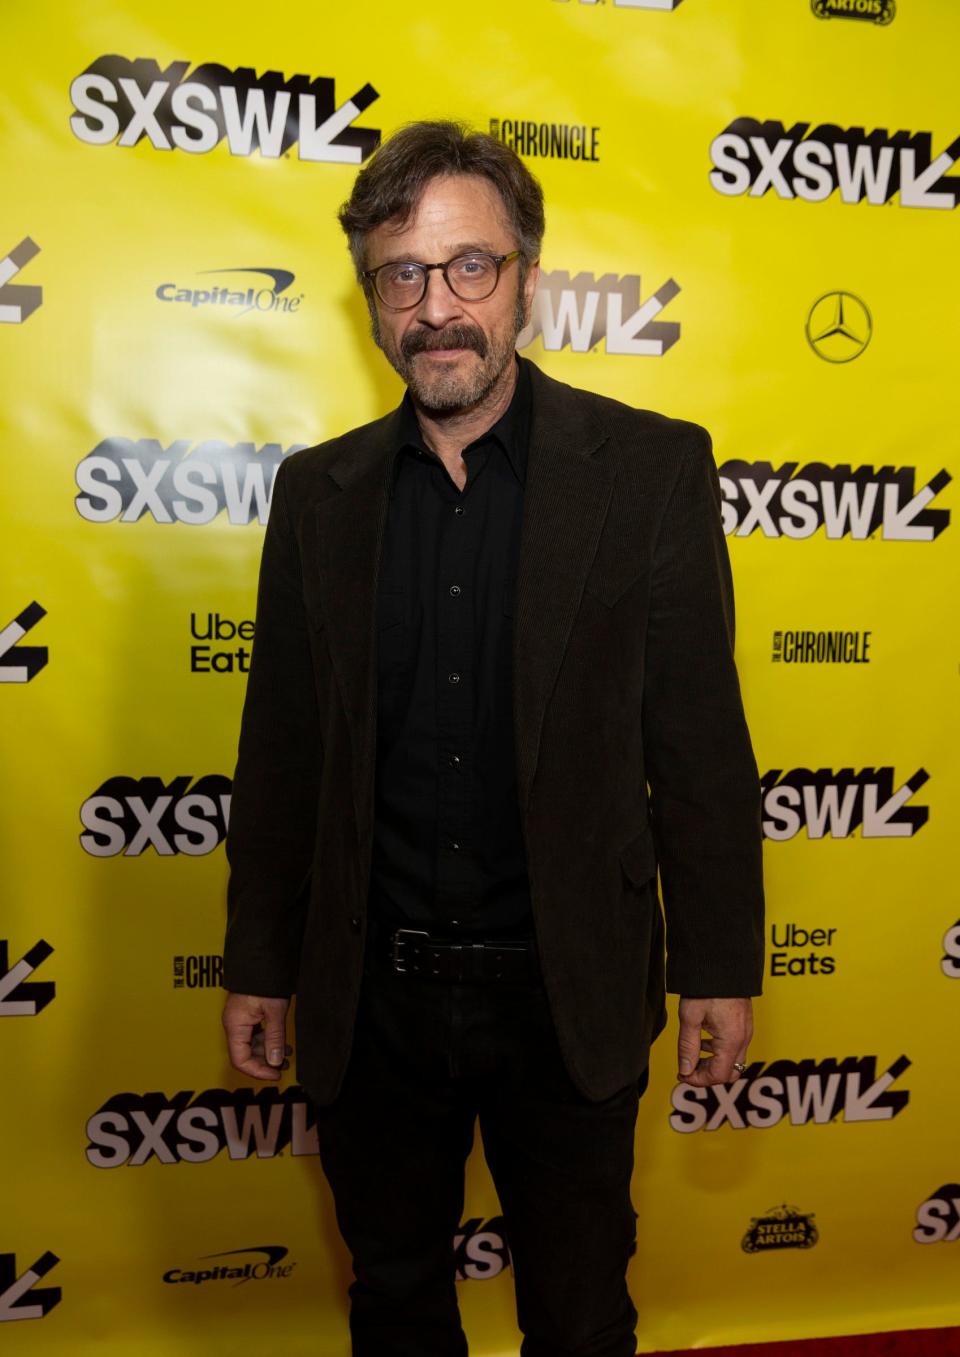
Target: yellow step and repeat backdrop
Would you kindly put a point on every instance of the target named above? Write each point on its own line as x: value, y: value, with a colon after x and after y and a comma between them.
x: 751, y: 224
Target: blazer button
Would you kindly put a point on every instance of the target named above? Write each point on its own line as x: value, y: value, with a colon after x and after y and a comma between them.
x: 355, y: 924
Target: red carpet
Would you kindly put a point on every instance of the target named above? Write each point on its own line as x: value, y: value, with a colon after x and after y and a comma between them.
x: 908, y: 1343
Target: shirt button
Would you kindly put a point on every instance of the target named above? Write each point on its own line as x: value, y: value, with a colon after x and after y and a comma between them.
x: 455, y: 589
x: 458, y: 509
x: 355, y: 924
x: 453, y: 678
x: 454, y: 760
x: 454, y: 845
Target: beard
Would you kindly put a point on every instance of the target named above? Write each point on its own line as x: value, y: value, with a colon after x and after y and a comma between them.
x: 444, y: 392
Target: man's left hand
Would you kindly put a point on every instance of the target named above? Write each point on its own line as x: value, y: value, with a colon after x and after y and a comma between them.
x: 729, y: 1023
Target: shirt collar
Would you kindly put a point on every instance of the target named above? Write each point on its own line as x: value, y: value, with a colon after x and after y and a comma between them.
x: 511, y: 431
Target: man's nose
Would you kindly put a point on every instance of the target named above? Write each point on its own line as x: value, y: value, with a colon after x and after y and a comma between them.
x: 439, y: 305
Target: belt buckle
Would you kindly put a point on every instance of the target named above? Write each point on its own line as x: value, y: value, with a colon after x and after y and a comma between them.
x: 398, y: 942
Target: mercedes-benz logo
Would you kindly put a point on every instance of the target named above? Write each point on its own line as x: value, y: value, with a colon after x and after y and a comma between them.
x: 838, y: 327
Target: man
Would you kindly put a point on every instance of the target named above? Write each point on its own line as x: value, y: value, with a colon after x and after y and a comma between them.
x: 492, y: 687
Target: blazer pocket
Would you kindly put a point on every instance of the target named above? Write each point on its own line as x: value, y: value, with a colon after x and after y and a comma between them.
x: 638, y: 858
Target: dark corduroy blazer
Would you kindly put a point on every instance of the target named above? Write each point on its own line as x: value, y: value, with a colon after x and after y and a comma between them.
x: 632, y: 747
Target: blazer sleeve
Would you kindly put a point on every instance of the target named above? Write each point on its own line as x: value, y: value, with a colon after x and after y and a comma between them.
x: 705, y: 800
x: 273, y: 812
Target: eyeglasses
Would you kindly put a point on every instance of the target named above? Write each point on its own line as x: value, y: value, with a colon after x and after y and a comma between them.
x: 471, y: 277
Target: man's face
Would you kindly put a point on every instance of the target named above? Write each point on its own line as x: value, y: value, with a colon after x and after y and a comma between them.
x: 448, y: 351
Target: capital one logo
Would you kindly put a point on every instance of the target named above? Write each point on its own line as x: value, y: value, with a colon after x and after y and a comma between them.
x: 835, y: 803
x: 123, y: 101
x: 18, y: 301
x: 20, y: 1297
x: 581, y: 311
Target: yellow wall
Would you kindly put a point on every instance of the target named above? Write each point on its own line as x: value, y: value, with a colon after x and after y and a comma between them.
x: 105, y: 379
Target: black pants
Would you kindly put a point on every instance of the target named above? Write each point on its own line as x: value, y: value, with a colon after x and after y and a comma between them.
x: 428, y: 1059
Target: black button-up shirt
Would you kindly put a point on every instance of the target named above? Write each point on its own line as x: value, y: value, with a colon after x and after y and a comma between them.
x: 448, y: 852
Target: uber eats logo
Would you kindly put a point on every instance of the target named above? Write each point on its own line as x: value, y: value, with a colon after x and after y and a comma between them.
x: 836, y: 803
x: 133, y: 1128
x: 801, y: 1091
x: 123, y: 101
x: 795, y: 500
x: 129, y: 815
x: 127, y: 479
x: 811, y: 163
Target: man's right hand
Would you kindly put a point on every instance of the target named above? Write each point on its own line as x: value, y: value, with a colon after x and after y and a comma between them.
x: 259, y: 1053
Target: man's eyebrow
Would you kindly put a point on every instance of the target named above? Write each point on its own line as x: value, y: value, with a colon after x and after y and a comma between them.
x: 463, y: 247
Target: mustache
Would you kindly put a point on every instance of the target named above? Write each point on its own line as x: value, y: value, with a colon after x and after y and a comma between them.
x: 454, y: 337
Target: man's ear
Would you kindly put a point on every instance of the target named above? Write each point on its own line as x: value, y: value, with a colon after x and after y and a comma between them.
x: 530, y: 283
x: 529, y: 289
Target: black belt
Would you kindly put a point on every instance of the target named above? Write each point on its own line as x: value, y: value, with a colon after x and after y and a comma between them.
x: 414, y: 951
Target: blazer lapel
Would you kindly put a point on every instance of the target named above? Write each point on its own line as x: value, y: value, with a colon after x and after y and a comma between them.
x: 566, y: 497
x: 350, y: 532
x: 565, y: 502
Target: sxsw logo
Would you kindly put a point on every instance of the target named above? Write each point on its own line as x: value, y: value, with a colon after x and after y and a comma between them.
x: 129, y: 815
x: 835, y: 803
x: 938, y: 1218
x: 123, y: 101
x: 19, y: 664
x: 480, y: 1249
x: 19, y: 1296
x: 796, y: 501
x: 752, y: 157
x: 128, y: 479
x: 193, y: 1128
x: 950, y: 962
x: 581, y: 311
x: 20, y: 997
x: 18, y: 301
x: 803, y: 1091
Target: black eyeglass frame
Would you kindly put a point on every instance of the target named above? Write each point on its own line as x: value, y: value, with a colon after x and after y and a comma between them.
x: 498, y: 259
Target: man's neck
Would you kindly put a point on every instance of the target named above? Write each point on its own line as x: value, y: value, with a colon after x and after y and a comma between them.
x: 448, y: 434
